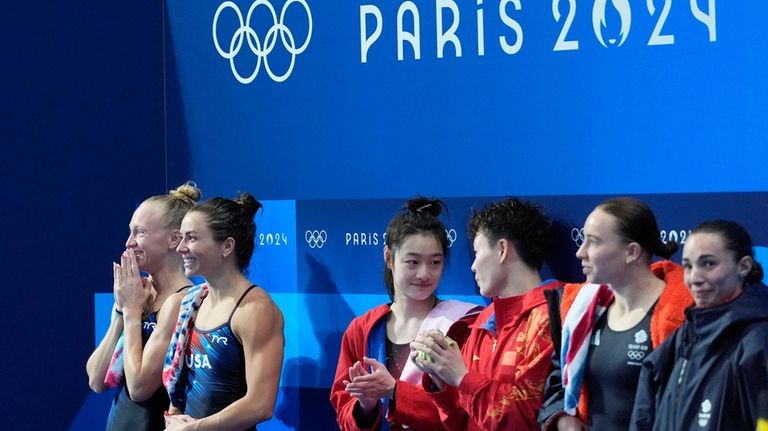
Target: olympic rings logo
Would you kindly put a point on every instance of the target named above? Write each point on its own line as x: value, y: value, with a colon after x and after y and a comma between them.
x: 577, y: 235
x: 316, y: 238
x: 635, y: 355
x: 260, y: 48
x: 451, y: 236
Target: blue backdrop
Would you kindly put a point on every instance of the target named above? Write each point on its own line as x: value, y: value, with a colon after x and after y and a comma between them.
x: 335, y: 112
x: 347, y: 108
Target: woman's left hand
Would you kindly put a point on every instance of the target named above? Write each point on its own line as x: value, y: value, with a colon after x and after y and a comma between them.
x: 370, y: 386
x: 440, y: 356
x: 179, y: 422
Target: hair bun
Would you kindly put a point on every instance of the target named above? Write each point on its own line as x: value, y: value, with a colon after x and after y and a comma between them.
x: 423, y: 205
x: 249, y: 203
x: 187, y: 193
x: 666, y: 250
x: 755, y: 275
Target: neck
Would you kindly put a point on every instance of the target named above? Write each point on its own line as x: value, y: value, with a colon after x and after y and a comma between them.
x: 226, y: 283
x: 405, y: 308
x: 521, y: 280
x: 168, y: 279
x: 640, y: 290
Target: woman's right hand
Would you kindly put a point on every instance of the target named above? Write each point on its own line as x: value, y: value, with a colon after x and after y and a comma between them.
x: 570, y: 423
x: 131, y: 291
x: 178, y: 422
x: 367, y: 387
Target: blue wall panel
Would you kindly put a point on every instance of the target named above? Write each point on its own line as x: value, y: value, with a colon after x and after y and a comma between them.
x: 625, y: 118
x: 666, y: 104
x: 98, y: 118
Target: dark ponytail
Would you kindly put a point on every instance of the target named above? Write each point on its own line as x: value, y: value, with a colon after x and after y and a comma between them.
x: 229, y: 218
x: 637, y: 223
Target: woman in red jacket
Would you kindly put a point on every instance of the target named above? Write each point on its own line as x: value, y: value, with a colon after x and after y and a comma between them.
x: 376, y: 386
x: 626, y: 309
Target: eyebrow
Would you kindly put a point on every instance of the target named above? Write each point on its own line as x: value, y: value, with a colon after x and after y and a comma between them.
x: 703, y: 256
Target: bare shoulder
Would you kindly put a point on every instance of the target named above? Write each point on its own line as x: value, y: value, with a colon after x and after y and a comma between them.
x: 174, y: 301
x: 170, y: 308
x: 257, y: 312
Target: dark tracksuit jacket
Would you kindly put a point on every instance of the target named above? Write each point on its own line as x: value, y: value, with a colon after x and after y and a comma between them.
x: 707, y: 376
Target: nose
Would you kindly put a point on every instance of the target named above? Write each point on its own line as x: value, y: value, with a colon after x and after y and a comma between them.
x: 474, y: 267
x: 423, y: 272
x: 182, y: 247
x: 692, y: 277
x: 581, y: 253
x: 131, y: 241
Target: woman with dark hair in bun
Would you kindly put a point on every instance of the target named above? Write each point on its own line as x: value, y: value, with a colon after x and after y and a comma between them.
x: 130, y: 356
x: 709, y: 374
x: 625, y: 310
x: 376, y: 387
x: 222, y: 368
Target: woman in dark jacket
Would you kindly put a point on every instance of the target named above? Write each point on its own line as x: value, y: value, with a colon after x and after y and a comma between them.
x: 707, y: 376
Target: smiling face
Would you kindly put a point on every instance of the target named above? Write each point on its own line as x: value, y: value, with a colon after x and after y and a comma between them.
x: 712, y: 273
x: 487, y: 268
x: 417, y: 266
x: 604, y: 252
x: 148, y: 238
x: 202, y: 255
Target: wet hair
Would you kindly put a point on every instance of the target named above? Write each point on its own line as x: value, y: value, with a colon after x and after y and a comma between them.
x: 418, y: 216
x: 521, y: 222
x: 227, y: 218
x: 176, y: 203
x: 637, y: 223
x: 737, y: 240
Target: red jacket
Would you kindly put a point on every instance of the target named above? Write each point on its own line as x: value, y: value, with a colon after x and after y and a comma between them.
x: 412, y: 405
x: 507, y: 367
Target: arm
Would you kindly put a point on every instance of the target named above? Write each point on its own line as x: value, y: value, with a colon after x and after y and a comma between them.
x: 751, y: 370
x: 99, y: 360
x: 506, y: 396
x: 439, y: 357
x: 413, y: 406
x: 644, y: 410
x: 552, y: 415
x: 409, y: 404
x: 259, y: 325
x: 349, y: 414
x: 511, y: 401
x: 143, y: 364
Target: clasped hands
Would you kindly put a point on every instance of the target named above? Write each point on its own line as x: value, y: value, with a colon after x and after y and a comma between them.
x: 132, y: 291
x: 369, y: 387
x: 439, y: 356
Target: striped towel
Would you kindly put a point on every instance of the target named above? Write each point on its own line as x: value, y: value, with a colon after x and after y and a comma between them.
x: 114, y: 374
x: 590, y: 303
x: 174, y: 358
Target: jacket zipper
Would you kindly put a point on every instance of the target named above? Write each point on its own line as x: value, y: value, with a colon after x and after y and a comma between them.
x: 688, y: 347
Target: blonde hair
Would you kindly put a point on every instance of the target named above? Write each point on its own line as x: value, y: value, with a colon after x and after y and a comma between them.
x: 177, y: 202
